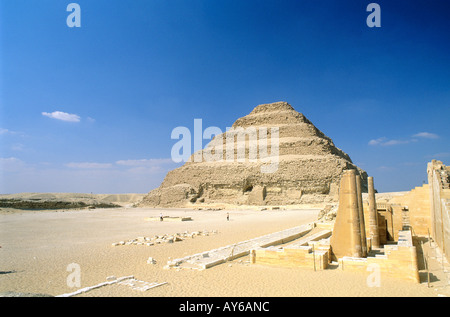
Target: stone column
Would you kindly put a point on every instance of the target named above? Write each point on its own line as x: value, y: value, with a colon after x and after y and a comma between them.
x: 374, y: 232
x: 362, y: 223
x: 346, y: 238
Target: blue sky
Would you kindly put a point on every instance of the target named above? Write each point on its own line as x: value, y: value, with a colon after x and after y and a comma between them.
x: 91, y: 109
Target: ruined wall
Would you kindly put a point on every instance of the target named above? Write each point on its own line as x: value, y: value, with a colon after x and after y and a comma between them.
x: 438, y: 179
x: 298, y: 256
x: 409, y: 209
x: 311, y: 251
x: 418, y: 202
x: 399, y: 261
x: 446, y: 225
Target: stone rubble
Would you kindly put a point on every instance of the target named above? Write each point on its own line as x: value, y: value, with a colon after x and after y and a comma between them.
x: 165, y: 238
x: 129, y: 281
x: 139, y: 285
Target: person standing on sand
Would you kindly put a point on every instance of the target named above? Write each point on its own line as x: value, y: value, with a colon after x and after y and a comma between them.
x: 228, y: 216
x: 160, y: 216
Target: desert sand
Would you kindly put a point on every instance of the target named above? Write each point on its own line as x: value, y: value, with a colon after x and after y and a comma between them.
x: 38, y: 246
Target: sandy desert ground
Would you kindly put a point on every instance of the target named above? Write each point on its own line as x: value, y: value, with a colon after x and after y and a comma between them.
x: 38, y: 246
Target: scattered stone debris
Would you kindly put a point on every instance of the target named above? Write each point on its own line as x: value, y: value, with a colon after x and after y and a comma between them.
x: 166, y: 238
x: 328, y: 213
x: 209, y: 208
x: 138, y: 285
x: 126, y: 280
x: 168, y: 218
x: 19, y: 294
x: 89, y: 288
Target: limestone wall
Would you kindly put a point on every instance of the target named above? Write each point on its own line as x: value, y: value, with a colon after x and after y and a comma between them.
x: 399, y: 261
x: 403, y: 210
x: 438, y: 178
x: 311, y: 251
x: 418, y: 203
x: 298, y: 256
x: 446, y: 224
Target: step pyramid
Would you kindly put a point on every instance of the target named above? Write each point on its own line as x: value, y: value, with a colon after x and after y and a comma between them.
x: 302, y: 165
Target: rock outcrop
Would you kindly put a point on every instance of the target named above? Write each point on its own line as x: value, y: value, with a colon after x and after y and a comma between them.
x: 302, y: 165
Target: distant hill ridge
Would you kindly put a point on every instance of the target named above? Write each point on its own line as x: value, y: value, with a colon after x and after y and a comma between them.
x: 35, y: 201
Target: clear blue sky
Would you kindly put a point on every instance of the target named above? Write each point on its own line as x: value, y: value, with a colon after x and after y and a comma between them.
x: 91, y: 109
